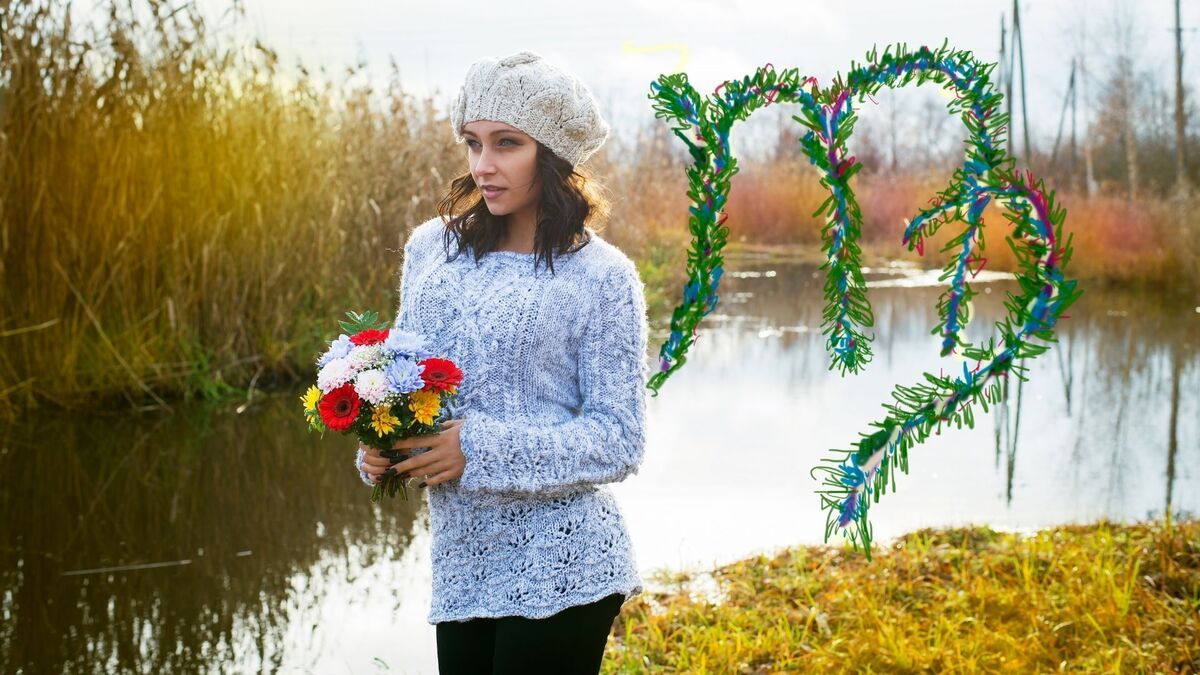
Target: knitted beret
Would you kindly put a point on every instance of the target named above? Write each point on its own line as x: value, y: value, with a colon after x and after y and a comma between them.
x: 523, y: 90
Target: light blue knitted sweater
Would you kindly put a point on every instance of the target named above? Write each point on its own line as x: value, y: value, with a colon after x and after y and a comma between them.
x: 553, y: 400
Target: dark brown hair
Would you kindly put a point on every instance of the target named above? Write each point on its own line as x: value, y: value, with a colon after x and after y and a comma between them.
x: 571, y: 198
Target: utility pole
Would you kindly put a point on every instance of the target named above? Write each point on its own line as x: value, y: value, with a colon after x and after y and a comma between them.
x: 1068, y: 104
x: 1006, y: 78
x: 1003, y: 77
x: 1020, y: 49
x: 1181, y: 181
x: 1015, y: 66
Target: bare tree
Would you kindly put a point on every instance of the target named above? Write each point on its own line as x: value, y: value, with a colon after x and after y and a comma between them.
x: 1075, y: 20
x: 1085, y: 77
x: 1181, y: 181
x: 1124, y: 35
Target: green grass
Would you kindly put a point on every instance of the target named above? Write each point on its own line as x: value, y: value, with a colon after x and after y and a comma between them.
x: 1098, y: 598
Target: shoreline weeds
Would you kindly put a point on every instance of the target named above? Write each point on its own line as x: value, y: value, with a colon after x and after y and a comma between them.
x: 1092, y: 597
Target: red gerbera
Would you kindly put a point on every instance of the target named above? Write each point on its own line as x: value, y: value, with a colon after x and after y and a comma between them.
x: 339, y: 408
x: 441, y: 374
x: 370, y: 336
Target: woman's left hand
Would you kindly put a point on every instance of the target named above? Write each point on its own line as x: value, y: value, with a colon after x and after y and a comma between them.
x: 444, y: 460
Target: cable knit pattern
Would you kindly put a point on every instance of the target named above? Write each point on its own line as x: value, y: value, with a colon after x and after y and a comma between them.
x: 553, y: 400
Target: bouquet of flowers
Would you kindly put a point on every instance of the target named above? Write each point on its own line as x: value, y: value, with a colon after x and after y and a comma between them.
x: 381, y: 385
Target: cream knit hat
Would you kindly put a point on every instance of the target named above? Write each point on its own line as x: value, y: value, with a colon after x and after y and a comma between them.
x: 523, y: 90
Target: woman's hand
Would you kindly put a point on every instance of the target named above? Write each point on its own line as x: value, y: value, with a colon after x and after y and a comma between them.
x: 371, y: 463
x: 444, y: 460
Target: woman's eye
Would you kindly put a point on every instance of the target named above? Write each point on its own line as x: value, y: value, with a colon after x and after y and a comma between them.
x: 470, y: 143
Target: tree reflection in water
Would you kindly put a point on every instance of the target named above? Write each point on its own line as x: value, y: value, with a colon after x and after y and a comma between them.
x: 246, y: 519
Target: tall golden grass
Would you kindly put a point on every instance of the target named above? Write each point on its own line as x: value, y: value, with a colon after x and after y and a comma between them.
x: 178, y: 219
x: 182, y: 215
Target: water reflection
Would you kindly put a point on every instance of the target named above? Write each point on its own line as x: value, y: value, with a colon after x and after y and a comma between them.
x: 212, y: 541
x: 1096, y: 432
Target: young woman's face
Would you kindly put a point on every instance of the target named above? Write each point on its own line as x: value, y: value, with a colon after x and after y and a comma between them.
x: 506, y: 157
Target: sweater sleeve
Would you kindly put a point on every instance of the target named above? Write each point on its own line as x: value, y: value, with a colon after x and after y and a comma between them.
x: 606, y: 442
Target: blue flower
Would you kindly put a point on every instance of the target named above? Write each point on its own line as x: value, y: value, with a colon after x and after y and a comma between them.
x: 406, y: 344
x: 339, y: 348
x: 404, y: 376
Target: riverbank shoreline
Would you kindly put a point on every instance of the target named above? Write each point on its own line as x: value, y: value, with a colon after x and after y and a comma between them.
x: 1092, y: 598
x: 206, y: 381
x: 876, y: 257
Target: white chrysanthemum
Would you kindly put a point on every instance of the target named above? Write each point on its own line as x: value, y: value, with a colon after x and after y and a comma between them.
x: 364, y: 357
x: 334, y: 374
x: 371, y: 385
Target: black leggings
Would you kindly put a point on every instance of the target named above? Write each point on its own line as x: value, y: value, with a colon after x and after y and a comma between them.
x: 569, y: 642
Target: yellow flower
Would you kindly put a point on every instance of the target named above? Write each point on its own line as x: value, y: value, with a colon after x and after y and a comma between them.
x: 425, y: 405
x: 311, y: 398
x: 383, y: 421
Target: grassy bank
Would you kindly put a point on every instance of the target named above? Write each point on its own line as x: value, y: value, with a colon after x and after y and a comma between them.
x: 1098, y: 598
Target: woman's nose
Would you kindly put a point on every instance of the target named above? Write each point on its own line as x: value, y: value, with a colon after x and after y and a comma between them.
x: 484, y: 165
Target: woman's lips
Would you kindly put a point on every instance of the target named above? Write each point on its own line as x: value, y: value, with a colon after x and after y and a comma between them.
x: 491, y: 194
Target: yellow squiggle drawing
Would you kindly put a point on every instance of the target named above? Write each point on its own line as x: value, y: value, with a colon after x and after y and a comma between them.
x: 628, y: 47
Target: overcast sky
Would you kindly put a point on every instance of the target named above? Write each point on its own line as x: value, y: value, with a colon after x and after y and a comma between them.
x: 619, y: 46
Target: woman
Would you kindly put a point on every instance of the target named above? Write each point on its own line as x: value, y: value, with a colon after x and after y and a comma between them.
x: 531, y: 556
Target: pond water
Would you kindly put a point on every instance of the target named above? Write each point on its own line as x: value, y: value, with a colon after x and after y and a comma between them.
x: 228, y: 538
